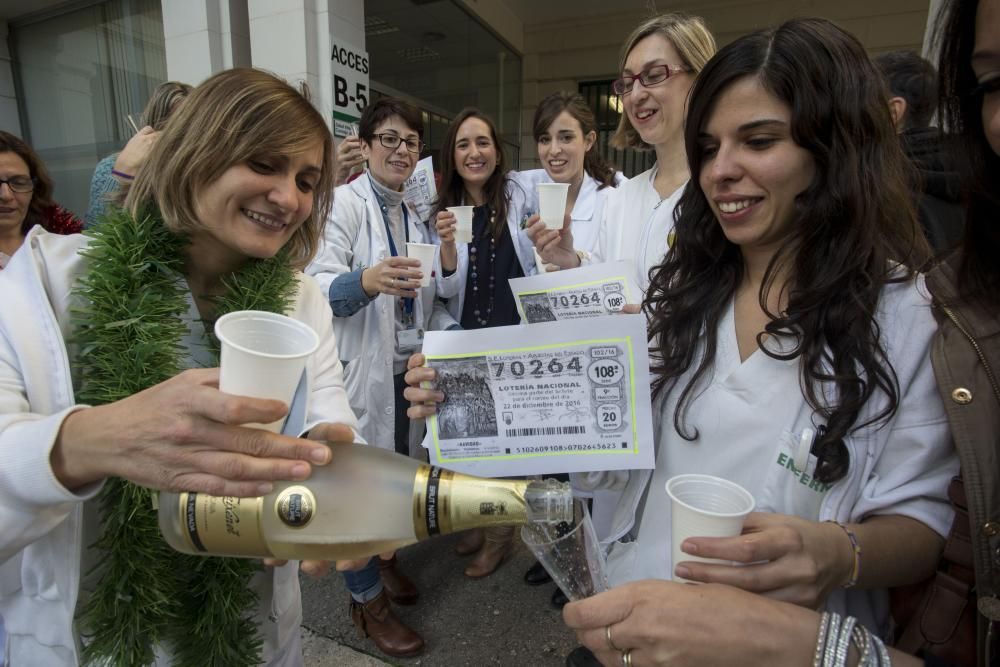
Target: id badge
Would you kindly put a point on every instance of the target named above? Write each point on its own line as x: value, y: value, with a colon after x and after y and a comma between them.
x: 410, y: 340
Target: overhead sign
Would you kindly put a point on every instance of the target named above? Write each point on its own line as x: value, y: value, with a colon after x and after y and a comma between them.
x: 350, y: 86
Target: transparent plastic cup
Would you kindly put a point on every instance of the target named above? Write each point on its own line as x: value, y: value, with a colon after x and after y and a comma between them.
x: 463, y: 223
x: 704, y: 506
x: 263, y: 355
x: 425, y: 253
x: 570, y: 553
x: 552, y: 203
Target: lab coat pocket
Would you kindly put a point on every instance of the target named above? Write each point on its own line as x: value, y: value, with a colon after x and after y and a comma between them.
x: 354, y: 386
x: 788, y: 488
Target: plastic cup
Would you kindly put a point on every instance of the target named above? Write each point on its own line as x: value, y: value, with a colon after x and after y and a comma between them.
x: 425, y: 253
x: 570, y: 553
x: 463, y: 223
x: 552, y: 203
x: 704, y: 506
x: 263, y: 356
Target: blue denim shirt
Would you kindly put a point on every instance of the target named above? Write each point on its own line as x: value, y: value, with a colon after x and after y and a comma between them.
x: 346, y: 294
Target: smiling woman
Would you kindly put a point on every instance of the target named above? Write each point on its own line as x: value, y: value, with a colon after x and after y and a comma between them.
x: 232, y: 198
x: 26, y: 197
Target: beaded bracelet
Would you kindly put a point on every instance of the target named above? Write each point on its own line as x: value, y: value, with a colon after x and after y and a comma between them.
x: 856, y: 548
x: 122, y: 174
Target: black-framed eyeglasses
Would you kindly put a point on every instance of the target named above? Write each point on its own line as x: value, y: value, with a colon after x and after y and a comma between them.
x: 19, y: 183
x: 391, y: 141
x: 651, y: 76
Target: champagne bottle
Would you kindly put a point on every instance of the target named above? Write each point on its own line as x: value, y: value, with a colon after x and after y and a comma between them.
x: 365, y: 501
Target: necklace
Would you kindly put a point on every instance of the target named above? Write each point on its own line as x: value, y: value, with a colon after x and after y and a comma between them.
x: 131, y: 325
x: 481, y: 318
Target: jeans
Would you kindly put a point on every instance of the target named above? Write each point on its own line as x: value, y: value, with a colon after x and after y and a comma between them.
x: 365, y: 584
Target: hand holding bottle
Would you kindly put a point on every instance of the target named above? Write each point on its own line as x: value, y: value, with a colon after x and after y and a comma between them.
x: 183, y: 434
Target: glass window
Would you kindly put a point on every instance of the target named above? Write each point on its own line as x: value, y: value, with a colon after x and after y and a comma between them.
x: 80, y: 75
x: 443, y: 59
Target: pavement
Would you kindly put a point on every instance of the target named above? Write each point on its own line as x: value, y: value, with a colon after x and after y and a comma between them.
x: 497, y: 620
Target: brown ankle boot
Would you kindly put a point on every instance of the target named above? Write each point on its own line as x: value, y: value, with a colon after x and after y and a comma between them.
x: 374, y: 619
x: 398, y: 586
x: 498, y: 543
x: 471, y: 542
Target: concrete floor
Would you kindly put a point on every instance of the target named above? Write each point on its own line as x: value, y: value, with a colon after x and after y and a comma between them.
x: 498, y: 620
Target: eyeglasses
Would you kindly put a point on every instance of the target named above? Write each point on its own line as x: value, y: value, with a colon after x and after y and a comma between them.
x: 392, y: 141
x: 19, y: 183
x: 650, y: 76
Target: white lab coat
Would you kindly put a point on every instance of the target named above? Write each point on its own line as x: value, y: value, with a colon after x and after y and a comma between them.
x: 355, y: 237
x: 899, y: 467
x: 43, y: 523
x: 636, y: 226
x: 452, y: 287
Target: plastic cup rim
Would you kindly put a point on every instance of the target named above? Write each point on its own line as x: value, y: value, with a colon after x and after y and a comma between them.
x: 265, y: 315
x: 725, y: 482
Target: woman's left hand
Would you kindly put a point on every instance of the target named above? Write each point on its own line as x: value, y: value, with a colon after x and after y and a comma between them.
x: 666, y: 623
x: 783, y: 557
x: 332, y: 434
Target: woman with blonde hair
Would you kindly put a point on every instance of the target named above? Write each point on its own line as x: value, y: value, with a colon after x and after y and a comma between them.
x: 228, y: 208
x: 659, y: 63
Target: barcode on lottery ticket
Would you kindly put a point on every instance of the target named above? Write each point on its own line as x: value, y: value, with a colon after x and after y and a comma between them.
x: 547, y: 430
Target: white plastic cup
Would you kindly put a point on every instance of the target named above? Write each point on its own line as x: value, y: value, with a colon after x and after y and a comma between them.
x: 263, y: 355
x: 425, y: 253
x: 463, y: 223
x: 704, y: 506
x: 552, y: 203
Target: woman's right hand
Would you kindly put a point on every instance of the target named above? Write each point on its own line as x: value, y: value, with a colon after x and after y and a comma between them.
x: 423, y: 401
x: 135, y: 152
x: 445, y: 225
x: 396, y: 276
x: 184, y: 435
x: 554, y: 246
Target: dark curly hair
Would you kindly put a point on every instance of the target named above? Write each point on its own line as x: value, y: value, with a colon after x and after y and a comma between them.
x: 41, y: 197
x: 961, y: 105
x: 854, y: 231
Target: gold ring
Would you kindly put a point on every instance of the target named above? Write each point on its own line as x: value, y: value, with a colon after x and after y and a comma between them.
x: 627, y: 658
x: 392, y: 283
x: 607, y: 635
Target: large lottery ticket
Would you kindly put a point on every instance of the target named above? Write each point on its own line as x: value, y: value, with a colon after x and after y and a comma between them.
x: 542, y: 399
x: 588, y: 291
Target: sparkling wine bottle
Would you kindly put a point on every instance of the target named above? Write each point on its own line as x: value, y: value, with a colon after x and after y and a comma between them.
x: 365, y: 501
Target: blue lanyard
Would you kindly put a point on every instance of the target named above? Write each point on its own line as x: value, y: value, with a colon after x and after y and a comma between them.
x: 407, y: 303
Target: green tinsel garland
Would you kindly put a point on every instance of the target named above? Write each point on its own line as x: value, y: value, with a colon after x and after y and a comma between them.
x: 128, y: 331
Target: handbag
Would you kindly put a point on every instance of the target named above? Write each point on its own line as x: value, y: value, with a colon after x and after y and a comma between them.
x: 938, y: 616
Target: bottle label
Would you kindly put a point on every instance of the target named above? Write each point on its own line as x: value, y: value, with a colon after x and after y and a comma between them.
x: 295, y: 506
x: 223, y: 525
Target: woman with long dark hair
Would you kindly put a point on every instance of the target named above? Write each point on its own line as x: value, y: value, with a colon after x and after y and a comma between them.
x: 475, y: 276
x: 661, y: 623
x: 788, y: 308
